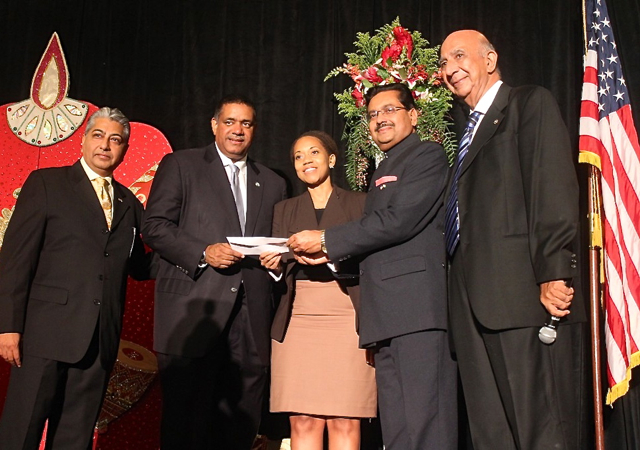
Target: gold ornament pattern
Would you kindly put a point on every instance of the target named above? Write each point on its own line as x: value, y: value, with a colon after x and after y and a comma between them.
x: 5, y: 216
x: 48, y: 116
x: 142, y: 185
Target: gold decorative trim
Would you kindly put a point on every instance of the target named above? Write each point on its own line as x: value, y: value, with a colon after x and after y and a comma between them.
x: 48, y: 116
x: 5, y: 217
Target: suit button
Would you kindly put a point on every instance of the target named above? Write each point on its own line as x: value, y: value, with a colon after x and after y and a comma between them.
x: 573, y: 266
x: 100, y: 277
x: 105, y: 230
x: 96, y: 302
x: 234, y: 290
x: 361, y: 272
x: 106, y: 254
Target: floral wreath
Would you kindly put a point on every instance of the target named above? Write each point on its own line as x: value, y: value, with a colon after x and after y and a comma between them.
x: 392, y: 55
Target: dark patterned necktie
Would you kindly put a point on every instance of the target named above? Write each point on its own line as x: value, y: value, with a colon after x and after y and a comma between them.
x: 237, y: 194
x: 452, y: 216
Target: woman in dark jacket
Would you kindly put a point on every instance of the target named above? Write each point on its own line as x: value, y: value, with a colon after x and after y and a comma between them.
x: 319, y: 374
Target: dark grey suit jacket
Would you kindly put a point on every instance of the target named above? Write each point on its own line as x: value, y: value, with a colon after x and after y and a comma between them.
x: 518, y: 203
x: 61, y: 268
x: 297, y: 214
x: 402, y: 278
x: 190, y: 207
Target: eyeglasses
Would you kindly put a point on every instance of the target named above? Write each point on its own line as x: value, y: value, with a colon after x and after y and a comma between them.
x: 388, y: 111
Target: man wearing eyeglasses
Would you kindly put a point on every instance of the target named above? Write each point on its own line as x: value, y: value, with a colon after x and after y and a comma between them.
x: 403, y: 313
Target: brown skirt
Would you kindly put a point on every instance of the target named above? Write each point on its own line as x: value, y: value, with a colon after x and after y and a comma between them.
x: 318, y: 369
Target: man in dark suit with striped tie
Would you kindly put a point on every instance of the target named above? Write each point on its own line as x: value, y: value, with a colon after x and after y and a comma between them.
x: 511, y: 230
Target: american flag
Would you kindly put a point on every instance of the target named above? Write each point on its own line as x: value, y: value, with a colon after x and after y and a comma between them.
x: 608, y: 140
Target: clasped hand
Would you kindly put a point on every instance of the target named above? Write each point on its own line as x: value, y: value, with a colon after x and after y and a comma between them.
x: 556, y: 297
x: 306, y: 247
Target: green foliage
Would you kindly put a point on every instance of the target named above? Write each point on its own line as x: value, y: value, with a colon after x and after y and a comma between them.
x: 415, y: 64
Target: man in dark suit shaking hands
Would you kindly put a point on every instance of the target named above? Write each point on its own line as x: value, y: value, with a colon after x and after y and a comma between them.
x: 72, y: 240
x: 213, y: 307
x: 403, y: 312
x: 511, y: 226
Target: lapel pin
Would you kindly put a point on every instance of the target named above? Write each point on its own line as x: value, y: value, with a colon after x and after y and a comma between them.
x: 383, y: 186
x: 257, y: 184
x: 495, y: 122
x: 119, y: 199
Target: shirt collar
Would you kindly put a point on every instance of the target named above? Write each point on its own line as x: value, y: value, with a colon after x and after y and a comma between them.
x: 487, y: 99
x: 91, y: 174
x: 226, y: 161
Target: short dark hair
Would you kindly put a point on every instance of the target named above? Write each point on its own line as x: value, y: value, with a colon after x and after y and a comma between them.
x: 404, y: 94
x: 327, y: 141
x: 234, y: 98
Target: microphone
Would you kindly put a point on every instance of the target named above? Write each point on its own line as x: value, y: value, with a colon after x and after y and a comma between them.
x: 548, y: 332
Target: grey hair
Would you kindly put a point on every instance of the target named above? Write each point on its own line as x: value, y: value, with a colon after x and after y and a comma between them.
x: 112, y: 114
x: 485, y: 47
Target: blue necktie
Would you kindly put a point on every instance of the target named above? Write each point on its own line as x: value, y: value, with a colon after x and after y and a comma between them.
x: 452, y: 216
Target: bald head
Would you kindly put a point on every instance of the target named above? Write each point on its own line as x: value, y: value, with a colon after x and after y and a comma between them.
x: 469, y: 65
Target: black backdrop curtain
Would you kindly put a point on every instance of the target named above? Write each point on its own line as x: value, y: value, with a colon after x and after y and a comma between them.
x: 166, y: 63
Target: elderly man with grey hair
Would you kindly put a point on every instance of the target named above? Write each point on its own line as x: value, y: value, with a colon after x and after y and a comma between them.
x: 511, y: 231
x: 72, y: 240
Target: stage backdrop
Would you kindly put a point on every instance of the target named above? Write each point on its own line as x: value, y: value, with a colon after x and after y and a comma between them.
x: 165, y: 63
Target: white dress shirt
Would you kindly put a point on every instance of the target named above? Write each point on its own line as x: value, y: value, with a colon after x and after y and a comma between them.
x: 485, y: 103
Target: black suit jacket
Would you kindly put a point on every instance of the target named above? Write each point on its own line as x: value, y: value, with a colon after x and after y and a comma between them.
x: 297, y: 214
x: 402, y: 277
x: 518, y: 204
x: 62, y: 270
x: 190, y: 207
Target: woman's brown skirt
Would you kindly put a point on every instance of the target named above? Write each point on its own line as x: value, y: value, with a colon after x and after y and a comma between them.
x: 318, y: 369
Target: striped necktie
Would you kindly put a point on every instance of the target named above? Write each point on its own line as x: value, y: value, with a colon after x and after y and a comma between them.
x: 237, y: 194
x: 452, y: 216
x: 101, y: 186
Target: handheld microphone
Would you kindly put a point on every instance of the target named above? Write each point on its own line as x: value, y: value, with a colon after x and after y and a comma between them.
x: 548, y: 332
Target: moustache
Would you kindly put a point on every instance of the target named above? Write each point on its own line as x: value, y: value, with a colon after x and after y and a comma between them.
x: 384, y: 124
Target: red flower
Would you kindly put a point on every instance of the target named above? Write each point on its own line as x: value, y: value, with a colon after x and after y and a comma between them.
x: 357, y: 95
x: 437, y: 78
x: 404, y: 39
x: 391, y: 53
x: 353, y: 70
x: 420, y: 72
x: 371, y: 74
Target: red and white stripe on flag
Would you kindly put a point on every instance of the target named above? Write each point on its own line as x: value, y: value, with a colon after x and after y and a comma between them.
x: 608, y: 140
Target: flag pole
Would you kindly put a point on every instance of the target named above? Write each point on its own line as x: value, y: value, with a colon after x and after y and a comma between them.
x: 595, y: 246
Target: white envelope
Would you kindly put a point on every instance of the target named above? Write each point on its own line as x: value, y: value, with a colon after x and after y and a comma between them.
x: 255, y: 245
